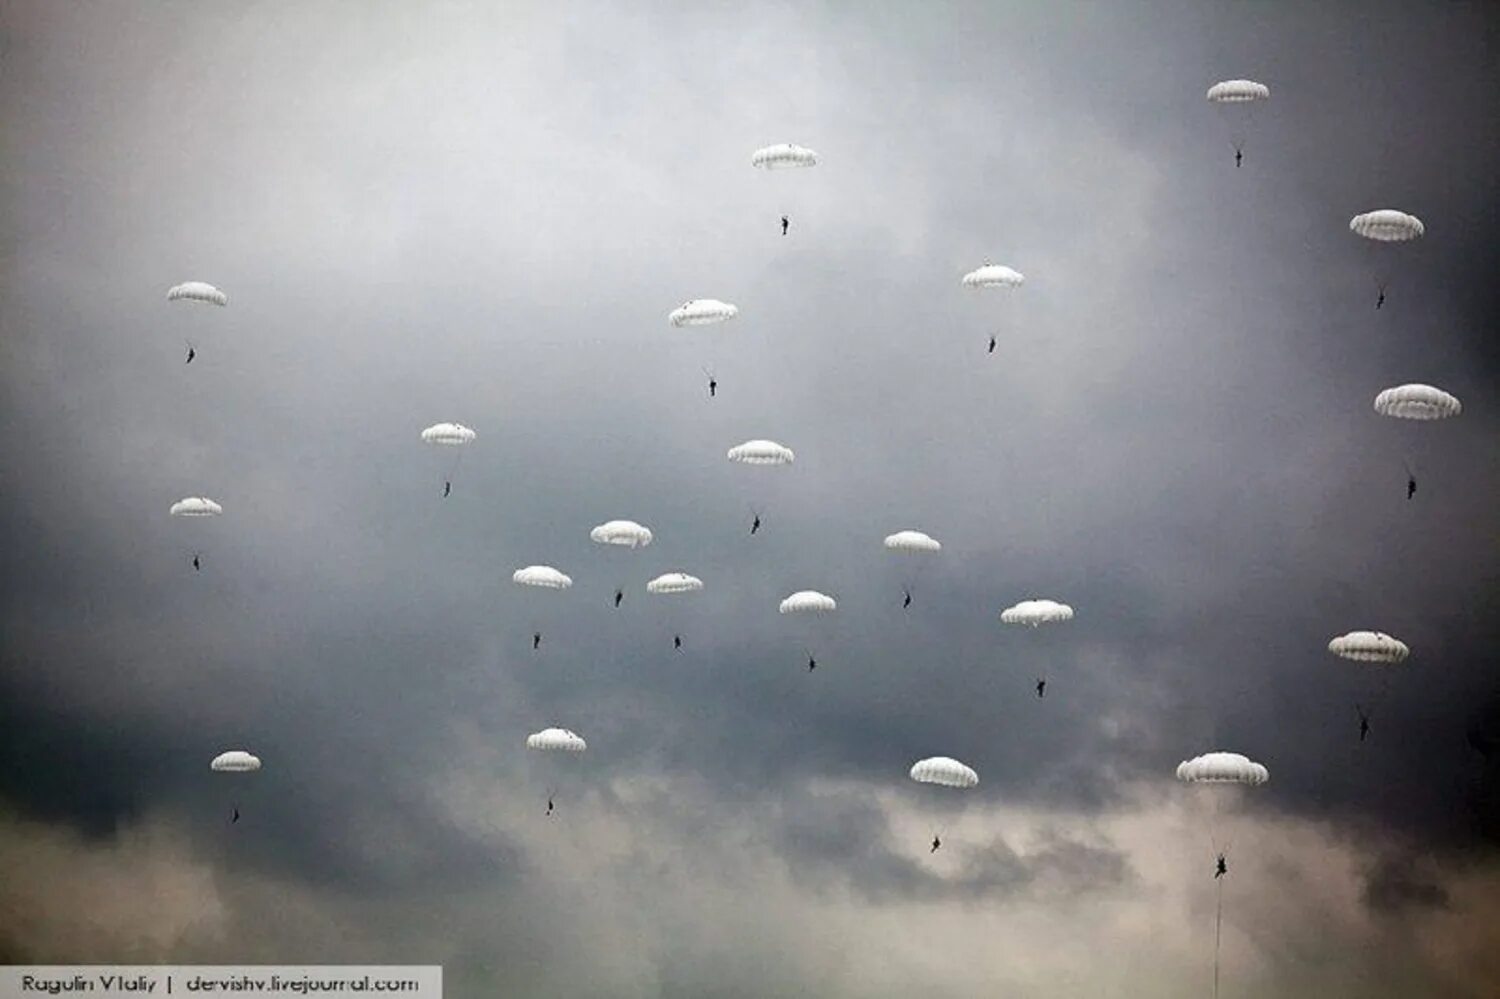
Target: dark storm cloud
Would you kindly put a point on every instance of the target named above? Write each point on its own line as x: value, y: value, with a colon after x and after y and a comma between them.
x: 842, y: 839
x: 485, y: 216
x: 1396, y: 884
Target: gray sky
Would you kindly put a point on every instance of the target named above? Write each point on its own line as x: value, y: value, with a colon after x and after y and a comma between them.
x: 483, y: 213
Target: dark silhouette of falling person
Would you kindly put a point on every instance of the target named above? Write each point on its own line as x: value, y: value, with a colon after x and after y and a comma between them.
x: 191, y: 354
x: 677, y: 642
x: 1364, y: 722
x: 812, y: 664
x: 1238, y: 156
x: 785, y: 222
x: 1222, y: 868
x: 906, y: 602
x: 549, y: 804
x: 197, y: 565
x: 1380, y: 300
x: 447, y: 488
x: 992, y: 344
x: 755, y: 524
x: 619, y: 595
x: 236, y: 816
x: 536, y: 640
x: 713, y: 387
x: 935, y: 844
x: 1041, y: 687
x: 1411, y: 486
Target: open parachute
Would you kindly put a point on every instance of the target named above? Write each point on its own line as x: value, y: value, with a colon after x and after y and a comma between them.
x: 235, y: 761
x: 762, y: 452
x: 1035, y: 613
x: 1222, y: 768
x: 1369, y: 647
x: 702, y: 312
x: 1387, y: 225
x: 200, y: 292
x: 912, y: 541
x: 945, y: 771
x: 1238, y: 92
x: 624, y: 533
x: 196, y: 506
x: 448, y: 434
x: 556, y: 740
x: 543, y: 576
x: 674, y: 582
x: 994, y: 276
x: 808, y: 602
x: 1417, y: 402
x: 783, y: 156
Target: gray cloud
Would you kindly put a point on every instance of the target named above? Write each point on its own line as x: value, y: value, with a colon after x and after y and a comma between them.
x: 486, y: 215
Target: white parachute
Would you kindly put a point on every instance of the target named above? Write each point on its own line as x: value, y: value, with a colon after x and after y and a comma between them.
x: 556, y: 740
x: 1222, y: 768
x: 1381, y: 229
x: 808, y: 602
x: 235, y: 761
x: 1238, y: 92
x: 1220, y: 775
x: 702, y: 312
x: 674, y: 585
x: 945, y: 771
x: 914, y: 548
x: 196, y: 506
x: 1369, y: 647
x: 994, y: 276
x: 622, y: 533
x: 1237, y: 100
x: 1387, y: 225
x: 448, y: 434
x: 1417, y: 402
x: 783, y: 156
x: 912, y: 541
x: 765, y: 453
x: 762, y: 452
x: 674, y: 582
x: 543, y: 576
x: 454, y: 436
x: 809, y: 610
x: 200, y: 292
x: 1035, y: 613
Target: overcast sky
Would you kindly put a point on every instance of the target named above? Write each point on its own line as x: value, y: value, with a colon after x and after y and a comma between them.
x: 483, y: 213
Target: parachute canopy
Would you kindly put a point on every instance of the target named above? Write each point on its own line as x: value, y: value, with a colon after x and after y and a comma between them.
x: 197, y: 291
x: 808, y: 602
x: 1369, y: 647
x: 1238, y: 92
x: 1036, y: 613
x: 236, y: 761
x: 626, y: 533
x: 783, y: 156
x: 674, y: 582
x: 945, y: 771
x: 542, y: 575
x: 196, y: 506
x: 1387, y: 226
x: 762, y: 452
x: 702, y: 312
x: 1222, y: 768
x: 994, y: 276
x: 556, y: 740
x: 448, y: 434
x: 1417, y: 402
x: 912, y: 541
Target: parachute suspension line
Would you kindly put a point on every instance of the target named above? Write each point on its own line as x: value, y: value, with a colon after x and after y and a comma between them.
x: 1218, y: 930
